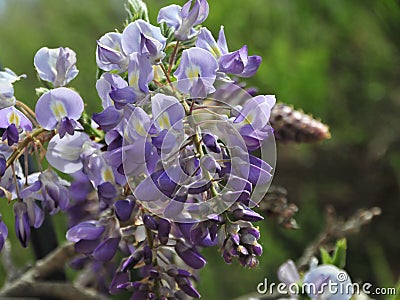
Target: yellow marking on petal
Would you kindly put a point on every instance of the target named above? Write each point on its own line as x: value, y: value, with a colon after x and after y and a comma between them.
x: 108, y: 175
x: 133, y: 80
x: 58, y: 110
x: 215, y: 51
x: 250, y: 118
x: 13, y: 118
x: 193, y: 72
x: 139, y: 128
x: 163, y: 121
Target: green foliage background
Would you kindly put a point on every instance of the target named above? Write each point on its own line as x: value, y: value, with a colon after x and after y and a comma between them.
x: 338, y: 60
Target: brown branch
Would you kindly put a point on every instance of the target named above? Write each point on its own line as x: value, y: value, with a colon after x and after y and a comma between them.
x: 6, y: 258
x: 31, y: 283
x: 54, y: 290
x: 337, y: 228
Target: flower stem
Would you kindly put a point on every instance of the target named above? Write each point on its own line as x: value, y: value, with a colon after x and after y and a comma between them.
x: 171, y: 61
x: 21, y: 146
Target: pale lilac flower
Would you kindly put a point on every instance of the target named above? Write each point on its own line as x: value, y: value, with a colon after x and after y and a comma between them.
x: 138, y: 152
x: 252, y: 120
x: 49, y: 189
x: 238, y: 63
x: 65, y: 154
x: 56, y: 66
x: 288, y: 273
x: 183, y: 19
x: 7, y: 78
x: 13, y: 121
x: 109, y: 54
x: 319, y: 278
x: 206, y: 41
x: 10, y: 76
x: 140, y: 73
x: 196, y: 73
x: 143, y: 38
x: 6, y: 94
x: 59, y: 109
x: 106, y: 84
x: 7, y: 179
x: 168, y: 115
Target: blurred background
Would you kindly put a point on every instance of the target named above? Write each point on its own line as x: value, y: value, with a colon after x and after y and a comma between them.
x: 337, y: 60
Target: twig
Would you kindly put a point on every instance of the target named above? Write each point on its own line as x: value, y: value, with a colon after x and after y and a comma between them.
x: 8, y: 264
x: 53, y: 290
x: 337, y: 228
x: 30, y: 283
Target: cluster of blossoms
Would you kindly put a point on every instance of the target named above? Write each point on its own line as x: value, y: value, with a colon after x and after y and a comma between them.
x: 165, y: 168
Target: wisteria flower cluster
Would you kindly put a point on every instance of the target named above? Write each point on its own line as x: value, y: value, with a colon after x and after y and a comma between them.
x: 164, y: 169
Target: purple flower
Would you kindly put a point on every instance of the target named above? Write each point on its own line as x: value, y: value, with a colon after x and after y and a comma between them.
x: 10, y: 76
x: 6, y: 94
x: 197, y: 72
x: 56, y: 65
x: 106, y: 84
x: 35, y: 213
x: 123, y: 209
x: 190, y: 255
x: 168, y: 115
x: 288, y: 274
x: 320, y: 278
x: 252, y: 121
x: 99, y: 238
x: 50, y: 189
x: 138, y: 152
x: 143, y: 38
x: 22, y: 227
x: 206, y: 41
x: 13, y: 120
x: 109, y: 55
x: 3, y: 233
x: 59, y: 108
x: 241, y: 242
x: 140, y: 73
x: 7, y: 181
x: 183, y: 19
x: 65, y: 154
x: 238, y: 63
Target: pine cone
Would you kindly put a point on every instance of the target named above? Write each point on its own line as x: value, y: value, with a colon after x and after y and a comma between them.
x: 291, y: 125
x: 275, y: 205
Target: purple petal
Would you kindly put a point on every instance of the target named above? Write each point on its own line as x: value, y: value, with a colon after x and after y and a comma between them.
x: 190, y: 256
x: 105, y: 251
x: 131, y: 36
x: 56, y: 104
x: 123, y: 209
x: 85, y: 231
x: 195, y: 63
x: 22, y: 227
x: 108, y: 119
x: 171, y: 15
x: 109, y: 55
x: 56, y: 65
x: 11, y: 115
x: 64, y: 154
x: 251, y: 67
